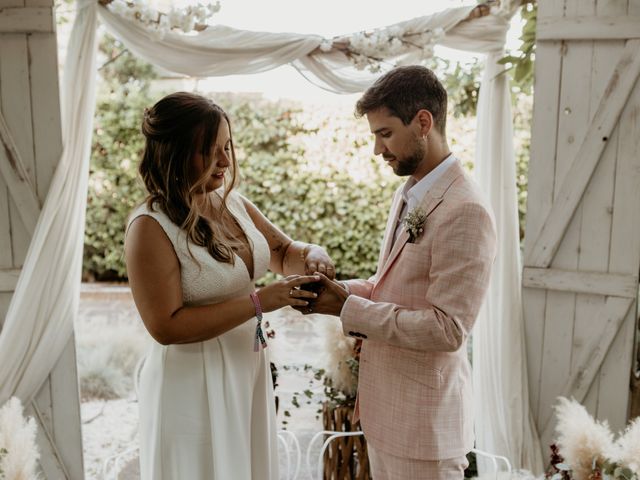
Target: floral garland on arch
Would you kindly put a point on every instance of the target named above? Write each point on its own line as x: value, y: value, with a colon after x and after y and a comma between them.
x: 368, y: 50
x: 188, y: 19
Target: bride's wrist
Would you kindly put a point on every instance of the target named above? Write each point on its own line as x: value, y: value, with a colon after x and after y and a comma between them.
x: 262, y: 298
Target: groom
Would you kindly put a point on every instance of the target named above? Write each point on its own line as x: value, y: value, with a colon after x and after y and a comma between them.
x: 416, y: 313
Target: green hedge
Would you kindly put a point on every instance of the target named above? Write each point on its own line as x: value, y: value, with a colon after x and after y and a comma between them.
x: 313, y: 198
x: 323, y: 205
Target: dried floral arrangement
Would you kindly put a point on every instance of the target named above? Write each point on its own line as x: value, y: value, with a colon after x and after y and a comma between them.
x: 587, y: 450
x: 18, y: 452
x: 342, y: 359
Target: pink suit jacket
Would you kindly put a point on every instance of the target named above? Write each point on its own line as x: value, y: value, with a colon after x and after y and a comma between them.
x: 415, y: 315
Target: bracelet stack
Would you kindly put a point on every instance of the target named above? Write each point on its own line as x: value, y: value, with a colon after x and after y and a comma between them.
x: 259, y: 338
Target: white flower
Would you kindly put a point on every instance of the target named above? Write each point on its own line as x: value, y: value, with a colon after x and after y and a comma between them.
x: 414, y: 223
x: 214, y: 7
x: 357, y: 41
x: 163, y: 24
x: 326, y: 45
x: 159, y: 23
x: 201, y: 13
x: 395, y: 31
x: 188, y: 22
x: 396, y: 46
x: 147, y: 14
x: 360, y: 61
x: 175, y: 17
x: 130, y: 14
x: 118, y: 7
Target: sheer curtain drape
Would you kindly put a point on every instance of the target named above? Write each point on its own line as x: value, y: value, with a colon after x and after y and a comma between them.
x: 503, y: 421
x: 40, y: 318
x: 46, y: 297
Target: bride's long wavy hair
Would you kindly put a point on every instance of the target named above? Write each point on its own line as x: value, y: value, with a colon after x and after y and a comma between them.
x: 177, y: 128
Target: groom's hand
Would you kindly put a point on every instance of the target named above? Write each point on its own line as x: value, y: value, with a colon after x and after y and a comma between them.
x: 317, y: 260
x: 331, y: 298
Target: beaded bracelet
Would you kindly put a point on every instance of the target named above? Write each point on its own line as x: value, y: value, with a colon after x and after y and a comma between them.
x: 259, y: 340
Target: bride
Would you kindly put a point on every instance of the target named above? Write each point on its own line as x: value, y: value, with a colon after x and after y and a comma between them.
x: 194, y: 250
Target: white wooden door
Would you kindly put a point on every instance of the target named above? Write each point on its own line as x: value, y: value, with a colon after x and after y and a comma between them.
x: 31, y: 147
x: 582, y: 246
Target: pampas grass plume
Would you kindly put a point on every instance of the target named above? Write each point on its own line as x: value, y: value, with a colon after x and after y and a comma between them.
x: 338, y: 349
x: 17, y: 437
x: 581, y: 438
x: 628, y: 447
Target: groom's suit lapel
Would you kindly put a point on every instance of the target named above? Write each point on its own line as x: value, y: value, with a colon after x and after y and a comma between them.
x: 391, y: 226
x: 431, y: 200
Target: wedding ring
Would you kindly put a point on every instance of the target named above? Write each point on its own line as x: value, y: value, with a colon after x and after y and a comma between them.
x: 291, y: 292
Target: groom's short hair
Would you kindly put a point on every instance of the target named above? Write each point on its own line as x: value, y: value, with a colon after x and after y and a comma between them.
x: 404, y: 91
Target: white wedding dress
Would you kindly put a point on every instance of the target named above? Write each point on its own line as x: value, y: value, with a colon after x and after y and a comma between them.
x: 207, y: 409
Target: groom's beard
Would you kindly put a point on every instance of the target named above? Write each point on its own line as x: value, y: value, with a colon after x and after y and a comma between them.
x: 409, y: 164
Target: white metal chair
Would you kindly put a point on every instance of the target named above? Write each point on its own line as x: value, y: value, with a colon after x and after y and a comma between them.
x: 109, y: 472
x: 495, y: 459
x: 286, y: 438
x: 332, y: 436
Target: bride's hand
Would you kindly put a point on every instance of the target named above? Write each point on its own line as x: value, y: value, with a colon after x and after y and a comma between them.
x: 287, y: 292
x: 317, y: 260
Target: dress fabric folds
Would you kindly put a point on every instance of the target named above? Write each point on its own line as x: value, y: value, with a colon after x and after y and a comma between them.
x: 207, y: 409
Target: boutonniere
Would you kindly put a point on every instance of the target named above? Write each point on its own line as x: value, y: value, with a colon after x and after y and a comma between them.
x: 414, y: 223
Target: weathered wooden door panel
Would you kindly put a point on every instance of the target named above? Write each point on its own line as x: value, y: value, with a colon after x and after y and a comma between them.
x: 32, y: 144
x: 582, y: 260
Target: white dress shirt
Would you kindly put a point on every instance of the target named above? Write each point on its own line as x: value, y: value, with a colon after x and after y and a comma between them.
x: 413, y: 192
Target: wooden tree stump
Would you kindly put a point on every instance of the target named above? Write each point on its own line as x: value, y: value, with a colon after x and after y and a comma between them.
x: 346, y: 457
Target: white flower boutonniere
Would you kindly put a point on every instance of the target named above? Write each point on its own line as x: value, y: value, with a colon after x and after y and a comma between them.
x: 414, y: 223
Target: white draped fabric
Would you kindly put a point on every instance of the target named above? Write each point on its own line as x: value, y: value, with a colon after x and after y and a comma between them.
x: 222, y: 50
x: 40, y: 318
x: 503, y: 421
x: 46, y: 297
